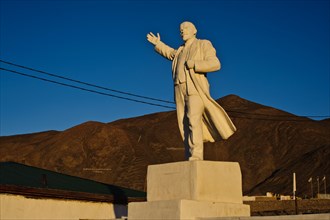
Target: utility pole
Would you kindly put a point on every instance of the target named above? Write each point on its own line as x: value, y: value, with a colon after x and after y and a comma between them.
x: 294, y: 193
x: 318, y: 186
x: 294, y: 186
x: 325, y: 184
x: 310, y: 180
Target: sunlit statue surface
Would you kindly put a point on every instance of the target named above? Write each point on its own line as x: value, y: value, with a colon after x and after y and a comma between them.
x: 200, y: 118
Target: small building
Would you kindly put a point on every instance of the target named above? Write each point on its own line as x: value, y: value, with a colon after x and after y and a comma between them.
x: 28, y: 192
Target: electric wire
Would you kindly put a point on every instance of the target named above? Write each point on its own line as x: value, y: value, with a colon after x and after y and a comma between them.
x: 267, y: 115
x: 273, y: 118
x: 277, y: 117
x: 84, y: 89
x: 85, y: 83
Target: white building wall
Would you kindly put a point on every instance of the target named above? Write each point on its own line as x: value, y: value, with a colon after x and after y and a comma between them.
x: 20, y: 207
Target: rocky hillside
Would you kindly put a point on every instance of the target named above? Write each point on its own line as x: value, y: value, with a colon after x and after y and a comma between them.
x: 269, y: 145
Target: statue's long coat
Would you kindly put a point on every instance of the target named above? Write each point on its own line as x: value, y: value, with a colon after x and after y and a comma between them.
x: 216, y: 123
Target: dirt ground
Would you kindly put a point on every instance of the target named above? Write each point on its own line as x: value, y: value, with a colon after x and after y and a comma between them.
x: 289, y: 207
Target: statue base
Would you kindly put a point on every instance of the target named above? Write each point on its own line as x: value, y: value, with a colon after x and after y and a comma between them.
x: 191, y: 189
x: 184, y: 209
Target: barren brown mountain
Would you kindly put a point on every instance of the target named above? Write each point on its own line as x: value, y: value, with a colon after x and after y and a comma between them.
x: 269, y: 145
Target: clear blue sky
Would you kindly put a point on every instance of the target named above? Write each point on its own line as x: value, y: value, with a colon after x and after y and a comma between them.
x: 275, y: 53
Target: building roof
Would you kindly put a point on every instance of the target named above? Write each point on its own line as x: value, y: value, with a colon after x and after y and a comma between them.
x: 21, y: 179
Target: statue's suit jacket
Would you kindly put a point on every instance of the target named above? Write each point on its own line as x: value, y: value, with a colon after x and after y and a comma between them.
x: 216, y: 123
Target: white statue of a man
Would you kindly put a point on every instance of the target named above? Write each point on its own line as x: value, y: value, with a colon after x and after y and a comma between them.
x: 200, y: 118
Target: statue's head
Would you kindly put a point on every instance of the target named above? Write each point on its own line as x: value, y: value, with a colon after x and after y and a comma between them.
x: 187, y: 30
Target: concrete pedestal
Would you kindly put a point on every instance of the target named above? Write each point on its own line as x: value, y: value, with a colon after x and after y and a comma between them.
x: 184, y: 209
x: 191, y: 189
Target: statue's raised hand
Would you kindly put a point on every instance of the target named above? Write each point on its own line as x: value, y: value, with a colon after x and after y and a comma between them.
x: 152, y: 38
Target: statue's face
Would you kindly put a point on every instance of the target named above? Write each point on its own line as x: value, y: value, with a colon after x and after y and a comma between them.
x: 187, y: 31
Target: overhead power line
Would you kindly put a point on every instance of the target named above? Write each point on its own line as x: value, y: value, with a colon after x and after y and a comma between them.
x: 247, y: 115
x: 85, y: 83
x: 271, y: 117
x: 279, y: 116
x: 84, y: 89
